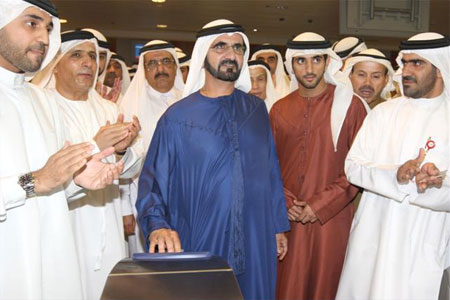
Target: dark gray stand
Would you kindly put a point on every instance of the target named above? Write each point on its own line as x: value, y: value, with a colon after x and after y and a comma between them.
x: 444, y: 294
x: 210, y: 278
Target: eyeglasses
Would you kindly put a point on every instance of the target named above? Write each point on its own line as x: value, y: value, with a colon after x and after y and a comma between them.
x: 221, y: 48
x: 154, y: 63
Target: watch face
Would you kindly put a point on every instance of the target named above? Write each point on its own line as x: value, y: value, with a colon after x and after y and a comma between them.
x: 26, y: 181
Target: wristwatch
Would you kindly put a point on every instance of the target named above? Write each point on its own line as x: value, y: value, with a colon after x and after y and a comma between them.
x: 26, y: 181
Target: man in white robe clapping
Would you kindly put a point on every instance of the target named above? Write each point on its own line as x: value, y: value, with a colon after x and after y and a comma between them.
x: 97, y: 217
x: 39, y: 259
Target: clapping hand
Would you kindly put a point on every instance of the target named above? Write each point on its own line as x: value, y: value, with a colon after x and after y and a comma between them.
x: 97, y: 174
x: 76, y: 161
x: 113, y: 94
x: 111, y: 134
x: 133, y: 130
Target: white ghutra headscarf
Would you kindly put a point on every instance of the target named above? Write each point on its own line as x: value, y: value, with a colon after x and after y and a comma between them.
x: 136, y: 92
x: 281, y: 80
x: 348, y: 46
x: 11, y: 9
x: 372, y: 55
x: 205, y: 37
x: 141, y: 98
x: 126, y: 80
x: 70, y: 39
x: 435, y: 48
x: 310, y: 43
x: 103, y: 45
x: 271, y: 93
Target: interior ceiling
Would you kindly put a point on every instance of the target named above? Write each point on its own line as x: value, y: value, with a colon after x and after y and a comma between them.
x: 276, y: 20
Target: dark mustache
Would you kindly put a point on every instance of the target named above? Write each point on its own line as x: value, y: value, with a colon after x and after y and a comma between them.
x: 110, y: 74
x: 366, y: 87
x: 410, y: 78
x: 161, y: 74
x: 228, y: 62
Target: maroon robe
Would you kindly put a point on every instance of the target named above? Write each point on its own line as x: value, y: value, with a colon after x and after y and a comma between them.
x: 313, y: 172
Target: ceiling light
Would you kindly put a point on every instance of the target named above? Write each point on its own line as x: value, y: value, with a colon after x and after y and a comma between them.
x: 161, y: 26
x: 255, y: 29
x: 159, y: 1
x: 62, y: 21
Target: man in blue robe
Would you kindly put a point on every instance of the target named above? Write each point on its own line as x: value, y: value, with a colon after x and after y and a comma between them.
x: 211, y: 180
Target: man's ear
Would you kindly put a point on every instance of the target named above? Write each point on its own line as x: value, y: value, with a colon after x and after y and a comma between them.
x: 438, y: 73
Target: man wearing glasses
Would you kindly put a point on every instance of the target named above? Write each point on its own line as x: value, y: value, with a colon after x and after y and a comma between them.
x: 157, y: 84
x: 271, y: 55
x: 211, y: 180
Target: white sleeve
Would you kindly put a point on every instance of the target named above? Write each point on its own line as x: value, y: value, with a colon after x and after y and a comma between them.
x: 11, y: 195
x: 363, y: 171
x: 133, y: 159
x: 125, y: 197
x: 73, y: 191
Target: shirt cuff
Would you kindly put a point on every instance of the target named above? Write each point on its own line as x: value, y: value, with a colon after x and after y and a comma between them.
x: 12, y: 194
